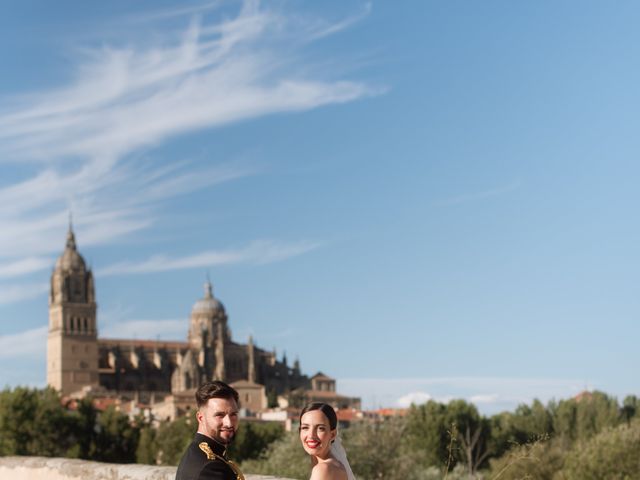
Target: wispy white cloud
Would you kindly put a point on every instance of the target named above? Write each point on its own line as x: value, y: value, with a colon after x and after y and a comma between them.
x: 321, y: 28
x: 30, y: 343
x: 485, y: 398
x: 178, y: 11
x: 124, y: 99
x: 413, y: 398
x: 259, y: 252
x: 478, y: 196
x: 12, y: 293
x: 87, y: 143
x: 24, y: 266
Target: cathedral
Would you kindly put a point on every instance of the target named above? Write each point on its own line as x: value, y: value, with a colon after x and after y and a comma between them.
x: 162, y: 374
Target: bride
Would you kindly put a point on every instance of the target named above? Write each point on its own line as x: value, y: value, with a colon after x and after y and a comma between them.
x: 319, y: 437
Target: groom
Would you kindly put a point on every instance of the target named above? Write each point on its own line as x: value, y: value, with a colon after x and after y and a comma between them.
x: 217, y: 415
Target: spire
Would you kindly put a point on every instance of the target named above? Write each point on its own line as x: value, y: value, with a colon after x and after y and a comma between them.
x: 71, y: 239
x: 252, y: 369
x: 296, y: 364
x: 208, y: 288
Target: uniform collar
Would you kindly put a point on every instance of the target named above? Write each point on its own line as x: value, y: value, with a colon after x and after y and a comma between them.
x: 216, y: 447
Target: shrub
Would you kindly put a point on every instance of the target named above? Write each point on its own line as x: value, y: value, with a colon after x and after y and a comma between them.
x: 613, y: 454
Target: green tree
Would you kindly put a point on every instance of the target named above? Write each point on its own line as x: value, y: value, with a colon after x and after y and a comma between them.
x: 583, y: 418
x: 172, y: 439
x: 253, y: 438
x: 473, y: 433
x: 378, y: 450
x: 610, y: 455
x: 33, y: 422
x: 427, y: 434
x: 430, y: 428
x: 565, y: 418
x: 523, y: 426
x: 539, y: 460
x: 630, y: 408
x: 84, y: 426
x: 147, y: 450
x: 284, y: 458
x: 116, y: 437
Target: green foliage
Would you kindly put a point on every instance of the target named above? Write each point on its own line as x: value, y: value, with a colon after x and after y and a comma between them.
x: 116, y: 438
x: 33, y: 422
x: 539, y: 460
x: 85, y: 420
x: 613, y: 454
x: 525, y: 425
x: 284, y: 457
x: 592, y: 437
x: 581, y: 419
x: 375, y: 451
x: 630, y: 408
x: 442, y: 435
x: 172, y: 439
x: 427, y: 434
x: 379, y: 450
x: 146, y: 451
x: 253, y: 438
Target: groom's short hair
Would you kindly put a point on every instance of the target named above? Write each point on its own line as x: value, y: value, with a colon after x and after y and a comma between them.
x: 215, y: 389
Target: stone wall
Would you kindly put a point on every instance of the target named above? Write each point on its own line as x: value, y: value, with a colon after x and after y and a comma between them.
x: 42, y: 468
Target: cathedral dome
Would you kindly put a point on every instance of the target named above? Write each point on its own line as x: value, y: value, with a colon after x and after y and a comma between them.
x: 208, y: 305
x: 70, y: 258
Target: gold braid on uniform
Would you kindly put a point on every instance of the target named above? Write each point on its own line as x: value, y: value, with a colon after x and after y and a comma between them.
x: 204, y: 446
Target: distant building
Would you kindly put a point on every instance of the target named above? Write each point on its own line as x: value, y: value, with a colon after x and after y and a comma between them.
x: 323, y: 389
x: 162, y: 374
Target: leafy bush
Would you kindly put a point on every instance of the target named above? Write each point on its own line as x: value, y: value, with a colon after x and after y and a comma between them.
x: 613, y: 454
x: 253, y: 438
x: 539, y: 460
x: 173, y: 438
x: 33, y: 422
x: 284, y: 457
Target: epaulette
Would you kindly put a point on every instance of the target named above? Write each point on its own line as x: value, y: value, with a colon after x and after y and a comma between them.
x: 204, y: 446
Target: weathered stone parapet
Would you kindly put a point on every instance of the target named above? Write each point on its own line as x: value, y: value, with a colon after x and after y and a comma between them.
x: 43, y: 468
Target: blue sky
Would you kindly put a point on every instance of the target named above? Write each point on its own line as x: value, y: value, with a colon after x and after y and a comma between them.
x: 422, y: 199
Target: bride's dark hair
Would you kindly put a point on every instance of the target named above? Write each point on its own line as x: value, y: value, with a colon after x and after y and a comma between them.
x: 325, y: 408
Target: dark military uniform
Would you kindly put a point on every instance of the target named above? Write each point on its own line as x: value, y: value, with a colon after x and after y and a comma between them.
x: 206, y: 459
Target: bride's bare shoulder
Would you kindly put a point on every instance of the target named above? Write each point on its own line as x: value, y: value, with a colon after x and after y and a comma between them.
x: 330, y: 470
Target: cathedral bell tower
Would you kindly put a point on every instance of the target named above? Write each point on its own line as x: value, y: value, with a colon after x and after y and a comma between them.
x: 208, y: 333
x: 72, y: 345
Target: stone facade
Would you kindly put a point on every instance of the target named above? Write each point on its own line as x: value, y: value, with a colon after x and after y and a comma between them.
x: 150, y: 371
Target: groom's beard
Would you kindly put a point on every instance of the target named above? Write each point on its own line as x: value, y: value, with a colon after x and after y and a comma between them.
x: 226, y: 435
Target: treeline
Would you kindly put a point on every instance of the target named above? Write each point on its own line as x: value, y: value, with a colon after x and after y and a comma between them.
x: 591, y: 438
x: 36, y: 422
x: 594, y: 437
